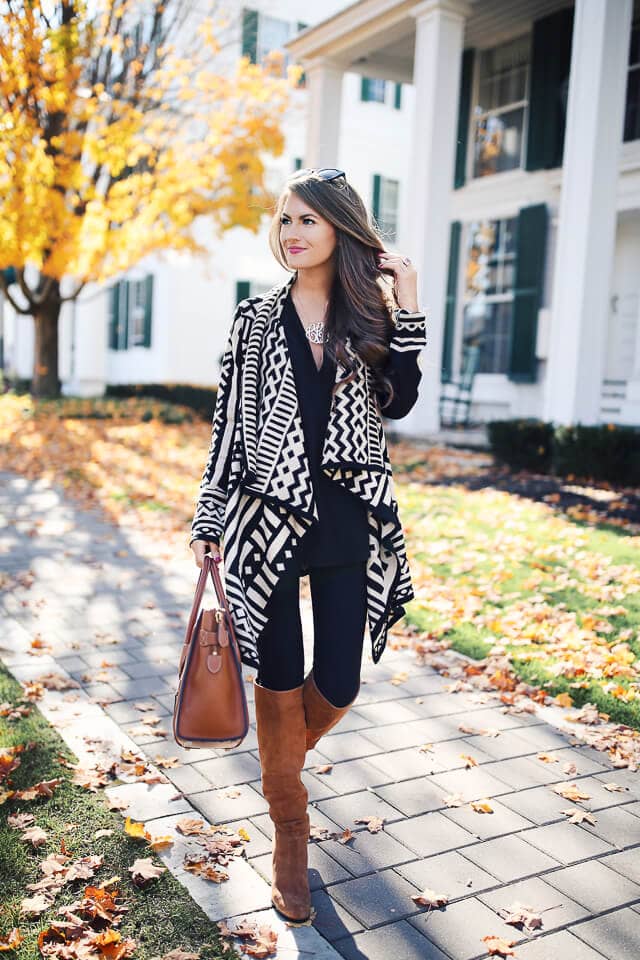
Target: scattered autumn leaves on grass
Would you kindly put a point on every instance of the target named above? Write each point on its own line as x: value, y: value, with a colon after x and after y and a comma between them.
x: 553, y: 598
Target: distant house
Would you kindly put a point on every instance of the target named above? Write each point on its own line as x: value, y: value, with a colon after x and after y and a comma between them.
x: 521, y: 205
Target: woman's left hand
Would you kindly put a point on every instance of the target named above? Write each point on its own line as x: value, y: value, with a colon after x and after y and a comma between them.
x: 405, y: 286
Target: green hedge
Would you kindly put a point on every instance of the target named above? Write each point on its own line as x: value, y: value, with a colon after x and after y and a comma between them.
x: 607, y: 452
x: 201, y: 400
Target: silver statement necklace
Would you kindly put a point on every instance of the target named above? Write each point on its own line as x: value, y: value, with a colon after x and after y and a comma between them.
x: 316, y: 331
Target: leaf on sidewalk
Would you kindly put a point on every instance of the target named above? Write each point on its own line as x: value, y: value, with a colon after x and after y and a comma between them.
x: 498, y: 947
x: 189, y: 826
x: 481, y: 806
x: 429, y: 898
x: 520, y: 915
x: 374, y: 824
x: 454, y: 800
x: 570, y: 791
x: 579, y: 816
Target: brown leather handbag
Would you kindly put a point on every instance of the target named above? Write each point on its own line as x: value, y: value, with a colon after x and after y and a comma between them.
x: 210, y: 708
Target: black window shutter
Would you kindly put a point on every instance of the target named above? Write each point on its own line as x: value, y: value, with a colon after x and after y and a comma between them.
x: 243, y: 290
x: 124, y: 311
x: 464, y: 111
x: 450, y: 303
x: 114, y: 312
x: 250, y: 34
x: 364, y: 88
x: 375, y: 203
x: 527, y: 294
x: 398, y: 96
x: 148, y: 309
x: 302, y: 82
x: 550, y: 65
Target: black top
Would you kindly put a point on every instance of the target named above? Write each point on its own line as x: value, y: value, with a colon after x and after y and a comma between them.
x: 341, y: 535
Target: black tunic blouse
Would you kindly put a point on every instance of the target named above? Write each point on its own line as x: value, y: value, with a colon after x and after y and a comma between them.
x: 341, y: 535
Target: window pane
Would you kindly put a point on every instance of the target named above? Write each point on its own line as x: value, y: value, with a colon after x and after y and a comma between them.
x: 632, y: 107
x: 498, y: 142
x: 489, y: 279
x: 503, y: 74
x: 489, y: 325
x: 272, y: 35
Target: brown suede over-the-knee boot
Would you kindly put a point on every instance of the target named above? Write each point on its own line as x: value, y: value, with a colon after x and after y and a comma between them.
x: 281, y: 731
x: 321, y: 715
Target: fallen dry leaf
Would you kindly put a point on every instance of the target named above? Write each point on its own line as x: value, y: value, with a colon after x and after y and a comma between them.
x: 374, y: 824
x: 35, y: 835
x: 143, y: 870
x: 454, y: 800
x: 520, y: 915
x: 548, y: 758
x: 429, y: 898
x: 258, y: 941
x: 579, y: 816
x: 324, y: 768
x: 469, y: 761
x: 12, y: 940
x: 570, y: 791
x: 189, y: 826
x: 497, y: 946
x: 481, y: 806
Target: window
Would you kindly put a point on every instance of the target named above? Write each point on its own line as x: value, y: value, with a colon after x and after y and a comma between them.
x: 501, y: 107
x: 385, y: 205
x: 262, y: 34
x: 632, y: 106
x: 489, y: 282
x: 130, y: 313
x: 373, y: 89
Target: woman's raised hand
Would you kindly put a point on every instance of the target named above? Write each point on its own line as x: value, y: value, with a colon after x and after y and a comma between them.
x: 199, y: 548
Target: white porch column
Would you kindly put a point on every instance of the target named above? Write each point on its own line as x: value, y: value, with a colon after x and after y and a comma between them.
x: 587, y: 215
x: 324, y: 108
x: 426, y: 209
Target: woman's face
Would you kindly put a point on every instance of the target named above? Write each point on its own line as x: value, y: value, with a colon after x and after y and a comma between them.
x: 307, y: 238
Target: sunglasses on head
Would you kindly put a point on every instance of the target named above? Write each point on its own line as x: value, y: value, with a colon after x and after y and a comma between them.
x: 326, y: 173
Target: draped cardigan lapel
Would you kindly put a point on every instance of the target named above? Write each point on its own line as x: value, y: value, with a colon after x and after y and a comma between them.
x: 270, y: 502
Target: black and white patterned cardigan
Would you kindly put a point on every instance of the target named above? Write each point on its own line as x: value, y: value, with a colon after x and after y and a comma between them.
x: 256, y: 494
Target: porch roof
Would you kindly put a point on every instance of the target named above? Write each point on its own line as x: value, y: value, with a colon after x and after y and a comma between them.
x: 376, y: 37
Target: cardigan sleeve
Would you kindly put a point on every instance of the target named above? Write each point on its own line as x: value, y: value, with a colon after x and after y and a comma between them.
x: 401, y: 365
x: 208, y: 520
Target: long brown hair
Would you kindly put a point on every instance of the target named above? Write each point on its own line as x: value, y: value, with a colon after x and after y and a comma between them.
x: 361, y: 297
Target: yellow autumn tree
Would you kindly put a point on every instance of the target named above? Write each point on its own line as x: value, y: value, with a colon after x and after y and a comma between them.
x: 121, y: 122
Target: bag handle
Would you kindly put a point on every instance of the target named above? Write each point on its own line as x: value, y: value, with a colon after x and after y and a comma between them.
x: 209, y: 566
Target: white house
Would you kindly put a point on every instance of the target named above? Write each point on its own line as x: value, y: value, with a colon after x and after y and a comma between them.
x: 497, y: 143
x: 522, y: 203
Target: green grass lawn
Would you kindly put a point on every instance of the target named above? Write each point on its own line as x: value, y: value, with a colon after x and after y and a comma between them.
x: 492, y: 569
x: 160, y: 917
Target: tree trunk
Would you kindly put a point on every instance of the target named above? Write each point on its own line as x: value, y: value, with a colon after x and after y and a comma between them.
x: 45, y: 381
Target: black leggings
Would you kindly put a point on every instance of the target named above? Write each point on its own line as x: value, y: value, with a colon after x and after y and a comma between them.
x: 339, y: 601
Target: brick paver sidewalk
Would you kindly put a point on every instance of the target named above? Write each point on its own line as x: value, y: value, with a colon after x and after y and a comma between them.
x: 98, y: 584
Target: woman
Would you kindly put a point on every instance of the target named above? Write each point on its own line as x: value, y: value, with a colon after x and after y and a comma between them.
x: 298, y: 480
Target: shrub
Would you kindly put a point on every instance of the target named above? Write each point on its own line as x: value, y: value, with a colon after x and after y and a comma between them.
x: 607, y: 452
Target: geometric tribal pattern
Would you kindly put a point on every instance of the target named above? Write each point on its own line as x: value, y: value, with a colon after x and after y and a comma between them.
x: 256, y: 491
